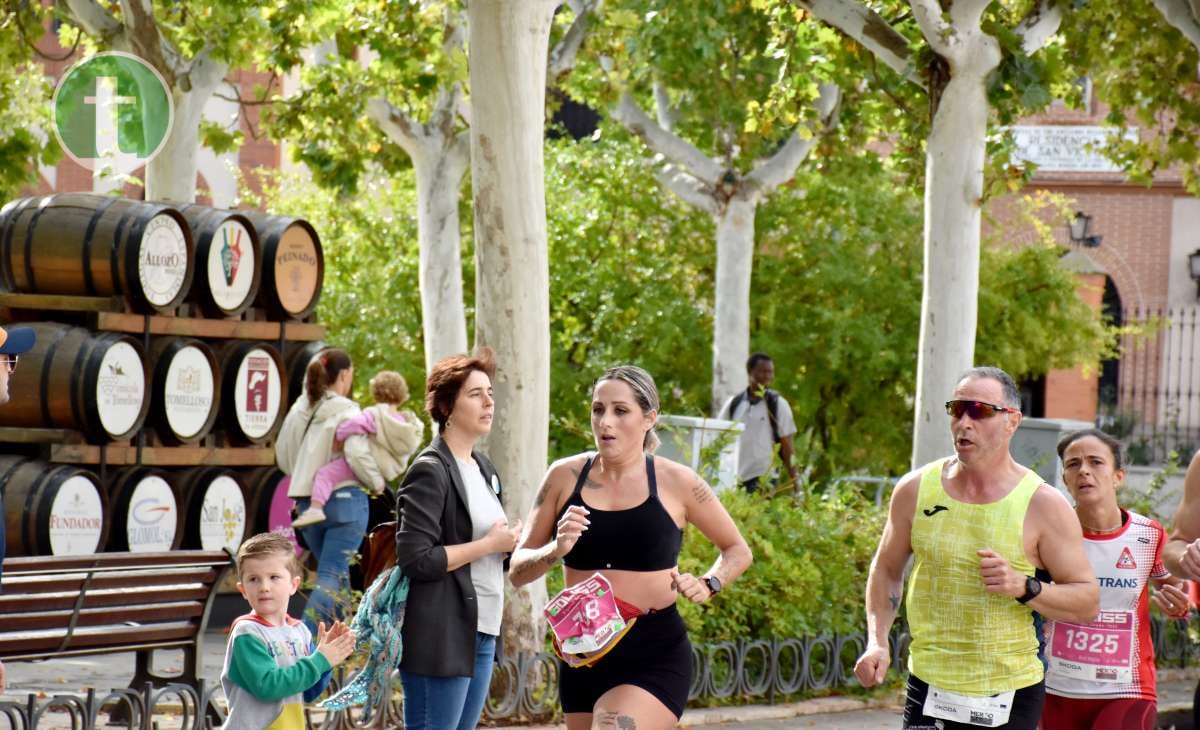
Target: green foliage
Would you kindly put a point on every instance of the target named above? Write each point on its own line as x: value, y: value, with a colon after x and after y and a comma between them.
x: 1144, y: 70
x: 26, y: 136
x: 810, y: 566
x: 370, y: 300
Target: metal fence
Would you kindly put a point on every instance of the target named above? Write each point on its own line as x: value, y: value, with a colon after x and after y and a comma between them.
x: 1150, y: 397
x: 524, y: 687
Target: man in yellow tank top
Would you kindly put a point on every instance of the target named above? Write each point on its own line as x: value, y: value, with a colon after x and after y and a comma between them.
x: 979, y: 526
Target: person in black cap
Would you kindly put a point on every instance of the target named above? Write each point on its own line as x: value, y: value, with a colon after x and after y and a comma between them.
x: 14, y: 342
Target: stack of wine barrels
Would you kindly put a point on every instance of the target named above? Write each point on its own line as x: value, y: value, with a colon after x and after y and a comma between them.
x: 173, y: 392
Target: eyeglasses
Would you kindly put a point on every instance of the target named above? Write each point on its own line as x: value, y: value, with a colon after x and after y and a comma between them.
x: 9, y: 361
x: 976, y: 409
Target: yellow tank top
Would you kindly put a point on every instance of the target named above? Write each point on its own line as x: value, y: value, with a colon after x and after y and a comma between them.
x: 965, y: 639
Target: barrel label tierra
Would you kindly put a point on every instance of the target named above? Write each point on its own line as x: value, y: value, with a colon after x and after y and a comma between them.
x: 230, y: 265
x: 153, y: 516
x: 222, y: 515
x: 162, y: 260
x: 257, y: 393
x: 120, y: 389
x: 76, y: 518
x: 189, y: 392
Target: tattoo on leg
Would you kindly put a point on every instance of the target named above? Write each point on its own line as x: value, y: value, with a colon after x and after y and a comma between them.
x: 625, y: 722
x: 895, y: 601
x: 606, y: 719
x: 701, y: 492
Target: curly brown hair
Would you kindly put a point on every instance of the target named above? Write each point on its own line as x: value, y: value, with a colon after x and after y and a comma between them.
x: 389, y: 386
x: 269, y: 544
x: 447, y: 378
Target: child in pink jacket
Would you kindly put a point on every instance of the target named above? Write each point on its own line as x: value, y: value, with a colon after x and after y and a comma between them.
x: 390, y: 438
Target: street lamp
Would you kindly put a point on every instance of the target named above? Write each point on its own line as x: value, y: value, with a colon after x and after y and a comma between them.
x: 1194, y: 269
x: 1079, y: 229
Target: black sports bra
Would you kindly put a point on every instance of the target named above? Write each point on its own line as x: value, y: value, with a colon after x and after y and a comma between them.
x: 641, y: 538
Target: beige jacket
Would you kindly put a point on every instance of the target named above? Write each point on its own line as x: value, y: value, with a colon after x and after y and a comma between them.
x: 305, y: 441
x: 387, y: 451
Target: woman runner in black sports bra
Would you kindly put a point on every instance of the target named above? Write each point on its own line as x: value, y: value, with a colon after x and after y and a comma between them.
x: 621, y: 511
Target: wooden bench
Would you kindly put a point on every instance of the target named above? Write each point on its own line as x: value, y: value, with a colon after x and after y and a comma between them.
x: 54, y: 607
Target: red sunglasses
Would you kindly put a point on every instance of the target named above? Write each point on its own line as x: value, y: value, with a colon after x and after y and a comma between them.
x: 976, y: 409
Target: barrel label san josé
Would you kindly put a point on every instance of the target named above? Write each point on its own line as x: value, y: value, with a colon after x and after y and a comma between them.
x: 162, y: 260
x: 230, y: 265
x: 296, y: 269
x: 222, y: 515
x: 153, y: 516
x: 257, y: 393
x: 189, y: 392
x: 120, y: 389
x: 76, y: 517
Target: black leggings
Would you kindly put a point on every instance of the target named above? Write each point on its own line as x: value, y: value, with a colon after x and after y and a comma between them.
x: 1026, y: 709
x: 655, y: 655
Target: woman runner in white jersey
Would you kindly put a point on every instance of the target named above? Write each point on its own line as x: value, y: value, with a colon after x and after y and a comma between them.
x: 1101, y: 675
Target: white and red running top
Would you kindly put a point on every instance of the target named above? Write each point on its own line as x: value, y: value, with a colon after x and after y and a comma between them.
x: 1113, y: 656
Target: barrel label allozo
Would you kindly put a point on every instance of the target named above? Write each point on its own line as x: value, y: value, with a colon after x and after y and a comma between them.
x: 163, y: 260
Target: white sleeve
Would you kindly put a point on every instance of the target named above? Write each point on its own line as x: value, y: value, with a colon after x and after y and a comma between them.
x: 787, y: 425
x: 724, y: 413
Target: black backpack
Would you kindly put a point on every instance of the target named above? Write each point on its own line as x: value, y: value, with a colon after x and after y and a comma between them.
x: 772, y: 409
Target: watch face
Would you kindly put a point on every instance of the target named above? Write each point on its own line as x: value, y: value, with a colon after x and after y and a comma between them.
x: 714, y: 583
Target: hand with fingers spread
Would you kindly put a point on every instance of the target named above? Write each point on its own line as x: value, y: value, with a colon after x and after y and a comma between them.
x: 1172, y: 600
x: 998, y: 576
x: 336, y: 643
x: 570, y: 526
x: 689, y: 586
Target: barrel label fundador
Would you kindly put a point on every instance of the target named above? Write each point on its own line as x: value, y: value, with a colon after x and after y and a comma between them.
x: 163, y: 260
x: 76, y: 518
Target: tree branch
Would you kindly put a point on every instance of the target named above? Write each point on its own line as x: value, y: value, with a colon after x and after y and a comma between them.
x: 398, y: 126
x: 662, y: 107
x: 937, y: 32
x: 780, y: 167
x: 563, y: 55
x: 94, y: 19
x: 869, y: 28
x: 1182, y: 17
x: 1039, y: 26
x: 691, y: 190
x: 675, y: 149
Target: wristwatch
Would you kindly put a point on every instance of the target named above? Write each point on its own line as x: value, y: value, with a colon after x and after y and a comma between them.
x: 1033, y: 587
x: 713, y: 583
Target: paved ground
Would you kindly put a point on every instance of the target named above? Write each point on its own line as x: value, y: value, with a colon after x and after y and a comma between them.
x: 104, y: 672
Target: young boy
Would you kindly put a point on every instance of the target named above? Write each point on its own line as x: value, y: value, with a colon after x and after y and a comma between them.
x: 391, y: 436
x: 271, y: 667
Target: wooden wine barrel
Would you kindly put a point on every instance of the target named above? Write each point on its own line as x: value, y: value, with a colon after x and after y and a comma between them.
x: 214, y: 503
x: 296, y: 359
x: 96, y: 245
x: 76, y: 379
x: 293, y: 265
x: 51, y: 509
x: 268, y: 506
x: 144, y: 509
x: 228, y: 260
x: 253, y: 396
x: 185, y: 384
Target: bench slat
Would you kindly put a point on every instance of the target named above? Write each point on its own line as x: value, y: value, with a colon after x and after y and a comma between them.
x: 112, y: 638
x: 14, y: 566
x: 117, y: 616
x: 74, y: 581
x: 17, y: 603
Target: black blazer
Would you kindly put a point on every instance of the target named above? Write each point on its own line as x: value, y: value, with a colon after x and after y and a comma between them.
x: 441, y: 615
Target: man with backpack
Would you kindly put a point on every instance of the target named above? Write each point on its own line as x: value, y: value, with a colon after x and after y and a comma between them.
x: 768, y: 420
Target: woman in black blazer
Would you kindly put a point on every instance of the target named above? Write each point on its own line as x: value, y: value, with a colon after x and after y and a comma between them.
x: 452, y: 541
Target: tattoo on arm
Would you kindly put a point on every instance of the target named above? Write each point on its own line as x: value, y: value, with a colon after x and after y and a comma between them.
x: 701, y: 492
x: 542, y: 492
x: 588, y: 483
x: 894, y: 599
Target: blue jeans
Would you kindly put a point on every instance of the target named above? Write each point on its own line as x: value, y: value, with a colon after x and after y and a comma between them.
x: 449, y: 703
x: 334, y: 543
